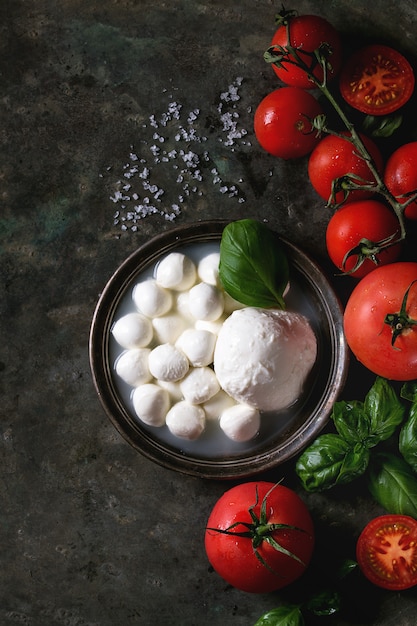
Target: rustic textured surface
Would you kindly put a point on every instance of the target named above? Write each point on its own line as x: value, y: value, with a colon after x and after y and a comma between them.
x: 92, y: 533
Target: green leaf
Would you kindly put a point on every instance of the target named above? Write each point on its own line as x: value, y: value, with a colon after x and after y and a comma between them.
x: 351, y: 421
x: 325, y: 603
x: 385, y: 411
x: 253, y: 265
x: 408, y: 438
x: 393, y: 484
x: 331, y: 460
x: 377, y: 126
x: 409, y: 391
x: 286, y: 615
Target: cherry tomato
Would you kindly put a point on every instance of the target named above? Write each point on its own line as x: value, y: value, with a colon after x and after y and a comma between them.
x: 241, y: 531
x: 386, y: 552
x: 400, y: 175
x: 355, y: 226
x: 282, y: 122
x: 308, y: 32
x: 335, y: 157
x: 380, y: 318
x: 377, y: 80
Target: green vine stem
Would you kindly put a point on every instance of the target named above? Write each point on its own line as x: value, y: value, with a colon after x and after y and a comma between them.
x: 281, y: 55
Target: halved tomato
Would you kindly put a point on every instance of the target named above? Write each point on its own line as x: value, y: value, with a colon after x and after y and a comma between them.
x: 377, y: 80
x: 386, y: 551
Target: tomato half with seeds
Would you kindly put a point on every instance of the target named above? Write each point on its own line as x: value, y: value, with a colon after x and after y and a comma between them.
x: 400, y: 175
x: 386, y: 552
x: 282, y: 122
x: 307, y: 34
x: 377, y: 80
x: 380, y: 321
x: 259, y: 536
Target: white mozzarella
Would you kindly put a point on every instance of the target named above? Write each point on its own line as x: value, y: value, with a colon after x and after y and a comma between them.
x: 168, y: 363
x: 151, y: 404
x: 186, y: 420
x: 132, y: 366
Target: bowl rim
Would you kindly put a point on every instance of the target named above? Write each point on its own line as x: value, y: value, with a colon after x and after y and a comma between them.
x: 249, y: 465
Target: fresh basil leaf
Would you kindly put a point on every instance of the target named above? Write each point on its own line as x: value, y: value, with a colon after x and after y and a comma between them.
x: 286, y: 615
x: 393, y: 484
x: 253, y: 265
x: 408, y: 438
x: 351, y: 421
x: 331, y: 460
x: 409, y: 391
x: 385, y: 411
x: 348, y: 566
x: 324, y: 603
x: 377, y: 126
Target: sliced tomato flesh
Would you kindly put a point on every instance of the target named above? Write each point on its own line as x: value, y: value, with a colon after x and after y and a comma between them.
x: 377, y: 80
x: 387, y: 551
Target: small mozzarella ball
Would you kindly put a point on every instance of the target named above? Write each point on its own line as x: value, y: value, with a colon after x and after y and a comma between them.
x: 151, y: 404
x: 206, y: 302
x: 197, y: 345
x: 214, y: 407
x: 151, y: 299
x: 199, y: 385
x: 181, y: 306
x: 176, y: 271
x: 208, y: 268
x: 168, y: 363
x: 211, y: 327
x: 132, y: 366
x: 240, y: 422
x: 133, y: 331
x: 168, y: 328
x: 186, y: 420
x: 173, y: 389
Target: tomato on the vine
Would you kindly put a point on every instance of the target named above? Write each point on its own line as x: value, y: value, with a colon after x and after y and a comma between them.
x: 377, y: 80
x: 307, y: 32
x: 353, y: 233
x: 283, y: 125
x: 335, y: 158
x: 380, y: 321
x: 259, y: 537
x: 400, y: 175
x: 386, y: 552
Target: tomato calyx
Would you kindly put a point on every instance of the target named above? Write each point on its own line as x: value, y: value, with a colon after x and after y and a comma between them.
x: 284, y: 16
x: 401, y: 321
x: 367, y: 249
x: 261, y: 530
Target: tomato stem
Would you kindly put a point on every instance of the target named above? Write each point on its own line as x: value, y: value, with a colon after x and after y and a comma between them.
x: 399, y: 322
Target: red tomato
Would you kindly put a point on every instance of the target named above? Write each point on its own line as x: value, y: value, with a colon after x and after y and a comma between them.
x: 386, y: 552
x: 379, y: 327
x: 355, y: 222
x: 400, y: 175
x: 307, y: 32
x: 377, y: 80
x: 282, y: 122
x: 335, y: 157
x: 241, y: 531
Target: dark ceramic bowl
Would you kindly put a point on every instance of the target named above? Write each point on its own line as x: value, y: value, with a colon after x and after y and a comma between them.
x: 213, y: 455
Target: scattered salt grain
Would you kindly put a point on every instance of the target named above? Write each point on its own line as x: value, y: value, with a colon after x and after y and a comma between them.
x: 186, y: 158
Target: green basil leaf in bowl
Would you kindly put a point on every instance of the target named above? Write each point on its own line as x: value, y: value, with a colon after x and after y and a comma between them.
x: 253, y: 265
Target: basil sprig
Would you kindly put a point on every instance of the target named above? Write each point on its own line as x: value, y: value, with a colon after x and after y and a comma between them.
x: 253, y: 266
x: 336, y: 459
